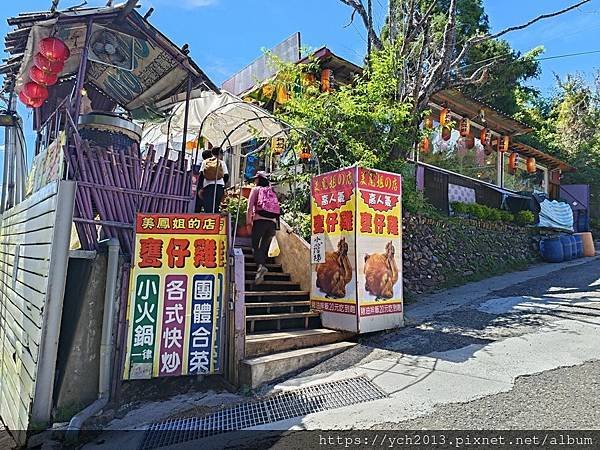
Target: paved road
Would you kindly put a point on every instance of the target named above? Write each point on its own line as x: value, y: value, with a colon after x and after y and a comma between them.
x: 491, y: 360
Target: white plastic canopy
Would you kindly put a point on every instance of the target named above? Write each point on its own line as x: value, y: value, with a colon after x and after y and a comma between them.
x: 221, y: 118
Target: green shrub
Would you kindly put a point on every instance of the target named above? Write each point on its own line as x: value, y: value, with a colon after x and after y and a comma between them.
x: 524, y: 218
x: 237, y: 206
x: 459, y: 207
x: 300, y: 222
x: 494, y: 214
x: 505, y: 216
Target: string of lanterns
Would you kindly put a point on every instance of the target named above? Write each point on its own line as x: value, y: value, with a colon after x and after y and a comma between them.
x: 48, y: 63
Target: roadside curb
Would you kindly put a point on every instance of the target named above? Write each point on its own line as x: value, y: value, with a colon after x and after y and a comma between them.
x: 428, y: 306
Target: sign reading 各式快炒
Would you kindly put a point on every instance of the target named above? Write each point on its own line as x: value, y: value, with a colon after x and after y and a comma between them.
x: 176, y: 295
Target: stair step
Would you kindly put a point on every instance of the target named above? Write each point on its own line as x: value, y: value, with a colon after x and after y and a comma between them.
x: 272, y: 267
x: 277, y: 304
x: 263, y: 369
x: 279, y: 341
x: 274, y: 276
x: 282, y: 316
x: 276, y: 293
x: 272, y: 285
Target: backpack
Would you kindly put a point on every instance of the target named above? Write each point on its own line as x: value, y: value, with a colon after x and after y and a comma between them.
x: 213, y: 169
x: 267, y: 204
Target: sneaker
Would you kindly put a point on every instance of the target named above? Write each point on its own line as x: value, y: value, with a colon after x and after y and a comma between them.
x: 260, y: 274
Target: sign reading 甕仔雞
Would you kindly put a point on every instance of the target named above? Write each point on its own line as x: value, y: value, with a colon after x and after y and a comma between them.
x: 356, y: 248
x: 176, y: 295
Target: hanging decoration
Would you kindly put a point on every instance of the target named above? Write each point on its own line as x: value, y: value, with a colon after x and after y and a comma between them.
x: 465, y: 127
x: 513, y: 161
x: 30, y: 102
x: 327, y: 80
x: 425, y: 145
x: 503, y: 144
x: 428, y: 122
x: 36, y: 91
x: 444, y: 117
x: 54, y: 49
x: 46, y: 65
x: 531, y: 166
x: 40, y: 77
x: 305, y: 154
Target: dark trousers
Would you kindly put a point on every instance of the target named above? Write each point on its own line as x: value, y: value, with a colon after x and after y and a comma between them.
x: 211, y: 201
x: 263, y: 231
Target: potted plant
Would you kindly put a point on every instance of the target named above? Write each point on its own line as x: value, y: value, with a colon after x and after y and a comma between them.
x: 237, y: 208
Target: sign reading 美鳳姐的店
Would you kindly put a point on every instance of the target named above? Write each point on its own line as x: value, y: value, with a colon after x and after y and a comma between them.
x: 176, y: 293
x: 356, y: 249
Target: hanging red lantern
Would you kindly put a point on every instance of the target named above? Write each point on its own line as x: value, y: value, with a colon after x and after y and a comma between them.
x: 531, y: 167
x: 465, y: 127
x: 425, y: 145
x: 30, y: 102
x: 428, y: 122
x: 40, y: 77
x: 327, y: 80
x: 444, y: 117
x: 305, y: 154
x: 446, y: 134
x: 54, y: 49
x: 46, y: 65
x: 503, y: 144
x: 34, y: 90
x: 513, y: 161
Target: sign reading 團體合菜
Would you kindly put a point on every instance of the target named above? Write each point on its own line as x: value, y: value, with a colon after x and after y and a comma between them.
x: 176, y: 294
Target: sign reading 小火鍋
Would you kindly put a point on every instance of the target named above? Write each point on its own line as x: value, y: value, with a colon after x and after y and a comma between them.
x: 356, y: 249
x: 176, y: 295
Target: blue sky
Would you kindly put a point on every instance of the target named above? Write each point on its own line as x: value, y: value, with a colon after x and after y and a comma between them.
x: 225, y: 35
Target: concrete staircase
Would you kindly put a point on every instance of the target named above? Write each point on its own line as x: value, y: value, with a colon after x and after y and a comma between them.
x: 283, y: 335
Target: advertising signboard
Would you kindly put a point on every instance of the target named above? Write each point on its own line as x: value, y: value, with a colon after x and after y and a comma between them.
x: 177, y: 287
x: 356, y: 249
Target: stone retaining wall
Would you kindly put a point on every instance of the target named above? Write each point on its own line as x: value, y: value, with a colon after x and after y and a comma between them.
x: 440, y: 253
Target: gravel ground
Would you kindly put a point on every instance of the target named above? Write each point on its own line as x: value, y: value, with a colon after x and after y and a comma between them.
x: 567, y: 398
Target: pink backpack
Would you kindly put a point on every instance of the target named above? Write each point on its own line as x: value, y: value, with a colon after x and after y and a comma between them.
x: 267, y: 204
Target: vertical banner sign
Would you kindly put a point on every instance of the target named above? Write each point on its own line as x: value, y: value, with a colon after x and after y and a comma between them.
x: 176, y: 295
x: 356, y: 248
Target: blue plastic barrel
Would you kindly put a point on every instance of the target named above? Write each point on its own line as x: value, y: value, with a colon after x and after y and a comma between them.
x: 567, y: 246
x: 552, y: 250
x: 578, y: 245
x: 573, y: 246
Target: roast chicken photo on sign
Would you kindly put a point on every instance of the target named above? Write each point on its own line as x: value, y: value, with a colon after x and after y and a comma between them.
x: 381, y: 273
x: 335, y: 273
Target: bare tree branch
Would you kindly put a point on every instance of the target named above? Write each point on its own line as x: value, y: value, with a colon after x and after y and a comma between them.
x: 537, y: 19
x: 362, y: 12
x: 351, y: 19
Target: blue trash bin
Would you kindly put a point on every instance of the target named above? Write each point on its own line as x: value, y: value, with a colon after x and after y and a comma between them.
x: 552, y: 250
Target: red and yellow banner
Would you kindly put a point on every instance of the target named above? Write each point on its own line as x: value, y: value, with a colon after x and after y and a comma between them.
x: 176, y: 295
x: 356, y: 249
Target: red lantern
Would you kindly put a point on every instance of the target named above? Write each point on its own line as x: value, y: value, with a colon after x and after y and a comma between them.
x: 30, y: 102
x: 46, y: 65
x: 465, y: 127
x: 503, y: 144
x: 327, y: 80
x: 531, y: 167
x: 446, y: 134
x: 425, y: 145
x: 34, y: 90
x: 40, y: 77
x: 428, y: 122
x: 444, y: 117
x: 512, y: 161
x: 54, y: 49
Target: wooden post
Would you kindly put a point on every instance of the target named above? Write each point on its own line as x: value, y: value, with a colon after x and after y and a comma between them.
x: 237, y: 318
x: 81, y: 73
x: 186, y: 117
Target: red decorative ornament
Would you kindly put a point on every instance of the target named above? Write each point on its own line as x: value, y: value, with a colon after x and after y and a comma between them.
x: 34, y: 90
x: 46, y: 65
x: 428, y: 122
x: 444, y: 117
x: 54, y: 49
x: 513, y: 160
x: 327, y: 80
x: 40, y: 77
x: 465, y: 127
x: 531, y: 167
x: 503, y: 144
x: 30, y: 102
x: 425, y: 145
